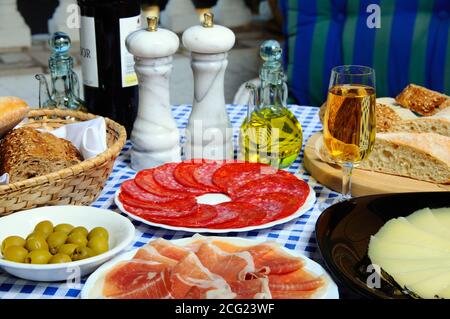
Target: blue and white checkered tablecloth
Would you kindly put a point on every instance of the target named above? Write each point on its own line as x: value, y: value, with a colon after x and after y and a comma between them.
x: 297, y: 234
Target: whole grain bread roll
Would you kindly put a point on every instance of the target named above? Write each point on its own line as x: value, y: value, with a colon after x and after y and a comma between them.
x: 27, y: 153
x: 12, y: 111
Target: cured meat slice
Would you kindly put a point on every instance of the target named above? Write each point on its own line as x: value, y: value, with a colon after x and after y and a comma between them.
x: 191, y: 279
x: 274, y: 184
x: 164, y: 176
x: 169, y: 250
x: 275, y: 261
x: 251, y: 289
x: 145, y: 180
x: 230, y: 266
x: 231, y: 177
x: 299, y: 280
x: 159, y: 214
x: 136, y: 277
x: 276, y: 205
x: 203, y: 216
x: 175, y: 208
x: 131, y: 189
x: 151, y: 254
x: 268, y: 257
x: 184, y: 174
x: 248, y: 215
x: 238, y: 174
x: 203, y: 174
x: 299, y: 284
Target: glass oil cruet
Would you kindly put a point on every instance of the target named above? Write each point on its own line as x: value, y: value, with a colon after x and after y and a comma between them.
x: 65, y: 88
x: 270, y: 134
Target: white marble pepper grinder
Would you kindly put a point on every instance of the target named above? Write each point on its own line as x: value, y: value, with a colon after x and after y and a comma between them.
x: 209, y: 133
x: 155, y: 136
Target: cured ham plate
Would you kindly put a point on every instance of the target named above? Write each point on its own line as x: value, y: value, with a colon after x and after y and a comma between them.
x: 210, y: 267
x: 212, y: 199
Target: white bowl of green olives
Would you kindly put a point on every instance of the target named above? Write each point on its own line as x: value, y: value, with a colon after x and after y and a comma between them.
x: 58, y: 243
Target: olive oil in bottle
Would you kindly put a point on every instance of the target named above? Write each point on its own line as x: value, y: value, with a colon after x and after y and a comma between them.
x: 271, y: 134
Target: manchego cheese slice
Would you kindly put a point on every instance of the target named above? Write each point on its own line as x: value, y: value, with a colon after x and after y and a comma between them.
x: 399, y: 230
x: 431, y: 287
x: 425, y: 220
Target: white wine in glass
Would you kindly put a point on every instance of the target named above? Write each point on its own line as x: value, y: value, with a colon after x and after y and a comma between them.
x: 349, y: 123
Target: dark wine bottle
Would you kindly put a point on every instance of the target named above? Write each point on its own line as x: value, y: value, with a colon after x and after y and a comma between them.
x: 109, y: 78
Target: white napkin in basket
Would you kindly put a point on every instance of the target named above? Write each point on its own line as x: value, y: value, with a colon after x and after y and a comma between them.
x: 89, y: 137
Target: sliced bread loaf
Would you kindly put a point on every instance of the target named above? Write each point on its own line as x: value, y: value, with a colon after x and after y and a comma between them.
x: 438, y: 123
x: 422, y: 156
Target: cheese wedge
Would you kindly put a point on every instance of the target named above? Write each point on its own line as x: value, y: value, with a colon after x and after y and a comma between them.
x: 378, y: 250
x: 425, y: 220
x: 401, y: 265
x: 430, y: 288
x: 443, y: 216
x: 401, y: 231
x: 444, y: 293
x: 411, y: 278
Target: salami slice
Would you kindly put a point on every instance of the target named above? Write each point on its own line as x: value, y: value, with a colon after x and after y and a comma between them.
x: 203, y: 215
x: 164, y: 176
x: 144, y: 179
x: 131, y: 189
x: 276, y: 205
x: 184, y: 174
x: 230, y: 177
x: 274, y: 184
x: 152, y: 215
x: 203, y: 174
x: 174, y: 209
x: 249, y: 215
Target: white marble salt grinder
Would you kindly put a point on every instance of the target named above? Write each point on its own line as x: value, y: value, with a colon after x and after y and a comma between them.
x: 155, y: 136
x: 209, y: 134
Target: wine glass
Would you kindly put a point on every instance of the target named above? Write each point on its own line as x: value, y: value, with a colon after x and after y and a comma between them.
x: 349, y: 122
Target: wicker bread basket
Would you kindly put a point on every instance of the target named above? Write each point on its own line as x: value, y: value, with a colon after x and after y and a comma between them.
x: 76, y: 185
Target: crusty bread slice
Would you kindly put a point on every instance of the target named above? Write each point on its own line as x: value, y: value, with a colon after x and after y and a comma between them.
x: 27, y: 153
x: 422, y: 100
x: 12, y: 111
x: 422, y: 156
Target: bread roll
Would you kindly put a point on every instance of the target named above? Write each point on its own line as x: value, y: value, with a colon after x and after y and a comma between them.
x: 422, y: 156
x: 27, y: 153
x: 12, y: 111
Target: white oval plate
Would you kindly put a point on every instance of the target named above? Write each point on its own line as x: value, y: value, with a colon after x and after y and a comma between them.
x: 121, y: 233
x: 94, y: 285
x: 212, y: 199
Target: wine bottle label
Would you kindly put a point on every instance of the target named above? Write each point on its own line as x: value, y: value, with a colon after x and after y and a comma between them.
x: 127, y: 26
x: 88, y: 52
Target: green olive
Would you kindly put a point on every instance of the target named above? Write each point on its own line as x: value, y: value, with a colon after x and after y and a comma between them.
x: 39, y: 234
x: 98, y: 232
x: 79, y: 230
x: 12, y: 241
x: 59, y: 259
x: 65, y: 228
x: 36, y: 243
x: 39, y: 256
x: 99, y: 245
x: 56, y: 240
x: 16, y: 254
x: 45, y: 227
x: 67, y: 249
x: 82, y: 253
x: 77, y: 239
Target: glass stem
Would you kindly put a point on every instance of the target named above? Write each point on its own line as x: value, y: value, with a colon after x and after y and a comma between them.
x: 347, y: 170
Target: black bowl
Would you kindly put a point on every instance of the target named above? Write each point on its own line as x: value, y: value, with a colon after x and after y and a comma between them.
x: 343, y: 232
